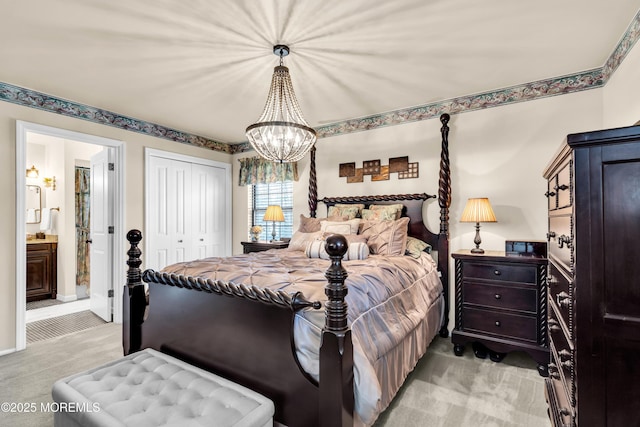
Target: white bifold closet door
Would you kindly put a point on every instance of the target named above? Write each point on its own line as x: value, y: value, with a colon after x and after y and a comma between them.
x: 187, y: 215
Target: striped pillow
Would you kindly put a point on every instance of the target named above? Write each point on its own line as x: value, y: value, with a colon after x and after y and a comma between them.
x: 356, y: 250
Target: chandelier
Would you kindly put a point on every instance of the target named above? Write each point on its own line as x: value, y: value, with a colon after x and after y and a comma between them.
x: 281, y: 133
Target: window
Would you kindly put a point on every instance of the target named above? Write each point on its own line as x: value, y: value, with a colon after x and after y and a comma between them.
x: 263, y: 195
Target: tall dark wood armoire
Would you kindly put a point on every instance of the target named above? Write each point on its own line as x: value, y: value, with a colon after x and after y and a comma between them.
x: 594, y: 280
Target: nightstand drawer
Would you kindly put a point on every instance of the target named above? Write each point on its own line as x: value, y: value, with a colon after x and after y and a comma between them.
x: 499, y: 323
x: 499, y: 296
x: 501, y: 272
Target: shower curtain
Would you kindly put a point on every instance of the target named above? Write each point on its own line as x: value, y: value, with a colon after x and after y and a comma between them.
x: 82, y: 177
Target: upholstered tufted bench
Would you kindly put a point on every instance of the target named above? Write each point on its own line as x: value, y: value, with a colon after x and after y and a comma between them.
x: 149, y: 388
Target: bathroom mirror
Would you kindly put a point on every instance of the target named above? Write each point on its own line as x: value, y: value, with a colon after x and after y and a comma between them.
x: 33, y: 199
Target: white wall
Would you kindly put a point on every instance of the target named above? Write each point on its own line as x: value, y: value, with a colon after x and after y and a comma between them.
x: 621, y: 103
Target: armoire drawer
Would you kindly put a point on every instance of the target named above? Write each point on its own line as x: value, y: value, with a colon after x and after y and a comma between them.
x: 563, y: 186
x: 561, y: 240
x: 498, y: 323
x: 561, y: 292
x: 501, y: 296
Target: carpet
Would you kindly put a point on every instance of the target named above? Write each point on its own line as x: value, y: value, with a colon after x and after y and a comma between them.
x: 445, y: 390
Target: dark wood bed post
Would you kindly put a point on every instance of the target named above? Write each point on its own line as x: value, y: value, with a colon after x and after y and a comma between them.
x: 336, y: 349
x: 313, y: 185
x: 444, y: 201
x: 134, y: 300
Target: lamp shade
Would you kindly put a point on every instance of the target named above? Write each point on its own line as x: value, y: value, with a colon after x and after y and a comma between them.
x: 274, y: 213
x: 478, y: 210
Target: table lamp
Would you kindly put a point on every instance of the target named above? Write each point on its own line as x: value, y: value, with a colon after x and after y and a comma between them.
x: 274, y: 213
x: 478, y: 210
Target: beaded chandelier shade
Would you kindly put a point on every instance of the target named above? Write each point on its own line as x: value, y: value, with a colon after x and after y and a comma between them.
x: 281, y: 133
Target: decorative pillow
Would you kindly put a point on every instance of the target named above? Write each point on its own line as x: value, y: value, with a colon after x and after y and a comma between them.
x: 355, y: 238
x: 395, y: 209
x: 311, y: 225
x: 300, y: 240
x: 378, y: 215
x: 341, y: 227
x: 416, y: 246
x: 356, y: 250
x: 352, y: 211
x: 387, y: 237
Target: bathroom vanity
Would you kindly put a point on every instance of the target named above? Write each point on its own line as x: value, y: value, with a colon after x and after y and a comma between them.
x: 41, y: 268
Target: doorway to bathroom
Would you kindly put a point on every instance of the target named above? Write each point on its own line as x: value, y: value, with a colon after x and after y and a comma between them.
x: 88, y: 172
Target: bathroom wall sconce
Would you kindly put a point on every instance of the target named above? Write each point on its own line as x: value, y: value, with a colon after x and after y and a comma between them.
x: 50, y: 183
x: 33, y: 172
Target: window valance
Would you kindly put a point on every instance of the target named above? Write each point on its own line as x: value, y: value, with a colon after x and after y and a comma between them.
x: 256, y: 170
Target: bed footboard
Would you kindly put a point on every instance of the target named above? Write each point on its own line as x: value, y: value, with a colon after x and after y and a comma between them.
x: 245, y: 333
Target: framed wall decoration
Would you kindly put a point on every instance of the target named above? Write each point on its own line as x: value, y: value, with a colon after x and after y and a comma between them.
x: 378, y: 171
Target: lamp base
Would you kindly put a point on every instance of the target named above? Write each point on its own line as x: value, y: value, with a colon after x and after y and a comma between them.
x: 477, y: 241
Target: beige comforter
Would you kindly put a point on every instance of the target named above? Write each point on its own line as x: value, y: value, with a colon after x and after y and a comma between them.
x: 390, y: 298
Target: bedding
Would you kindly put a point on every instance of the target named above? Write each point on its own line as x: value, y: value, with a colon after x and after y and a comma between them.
x: 390, y: 298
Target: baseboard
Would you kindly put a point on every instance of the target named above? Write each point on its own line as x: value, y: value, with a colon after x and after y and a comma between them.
x: 7, y: 351
x: 65, y: 298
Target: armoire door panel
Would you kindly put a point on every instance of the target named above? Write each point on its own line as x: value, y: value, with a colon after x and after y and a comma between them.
x: 621, y: 198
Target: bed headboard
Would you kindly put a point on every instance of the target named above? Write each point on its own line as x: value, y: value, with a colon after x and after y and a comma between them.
x: 412, y: 208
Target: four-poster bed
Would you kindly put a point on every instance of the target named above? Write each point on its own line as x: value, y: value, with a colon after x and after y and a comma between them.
x: 224, y: 320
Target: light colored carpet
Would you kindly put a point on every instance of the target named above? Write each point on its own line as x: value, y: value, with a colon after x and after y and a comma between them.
x: 443, y: 390
x: 27, y: 376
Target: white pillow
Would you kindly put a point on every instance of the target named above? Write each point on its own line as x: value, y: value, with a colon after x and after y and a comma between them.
x: 341, y: 227
x: 357, y: 250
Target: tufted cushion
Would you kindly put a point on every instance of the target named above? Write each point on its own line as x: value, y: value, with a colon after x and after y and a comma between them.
x: 149, y: 388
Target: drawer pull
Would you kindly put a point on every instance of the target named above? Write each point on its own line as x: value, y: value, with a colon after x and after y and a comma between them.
x: 552, y: 280
x: 554, y: 326
x: 564, y: 355
x: 550, y: 194
x: 497, y: 272
x: 497, y: 323
x: 498, y: 296
x: 563, y: 299
x: 562, y: 240
x: 553, y: 371
x: 561, y: 187
x: 551, y: 235
x: 179, y: 241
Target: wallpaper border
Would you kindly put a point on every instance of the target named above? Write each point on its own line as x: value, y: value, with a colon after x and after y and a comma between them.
x: 572, y: 83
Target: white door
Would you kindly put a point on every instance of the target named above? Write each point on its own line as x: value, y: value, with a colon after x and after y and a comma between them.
x: 169, y: 229
x: 101, y: 248
x: 208, y: 216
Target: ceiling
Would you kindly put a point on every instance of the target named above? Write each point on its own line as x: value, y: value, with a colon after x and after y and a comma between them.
x: 204, y: 66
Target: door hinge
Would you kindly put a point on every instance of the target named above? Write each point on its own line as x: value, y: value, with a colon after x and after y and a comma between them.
x: 112, y: 166
x: 111, y: 230
x: 110, y: 293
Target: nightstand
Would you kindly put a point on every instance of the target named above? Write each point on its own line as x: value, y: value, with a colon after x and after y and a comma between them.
x: 501, y: 305
x: 262, y: 246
